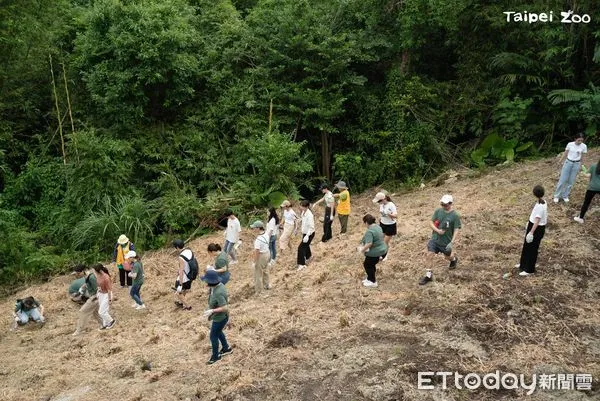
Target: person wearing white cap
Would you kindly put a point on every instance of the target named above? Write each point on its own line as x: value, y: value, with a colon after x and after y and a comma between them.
x: 137, y: 274
x: 389, y: 213
x: 343, y: 206
x: 123, y: 246
x: 289, y: 225
x: 445, y: 224
x: 262, y: 255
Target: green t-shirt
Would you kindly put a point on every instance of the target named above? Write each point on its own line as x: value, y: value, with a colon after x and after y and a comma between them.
x: 374, y: 235
x: 218, y: 297
x: 447, y: 221
x: 138, y: 269
x: 594, y: 184
x: 76, y: 285
x: 92, y: 285
x: 222, y: 261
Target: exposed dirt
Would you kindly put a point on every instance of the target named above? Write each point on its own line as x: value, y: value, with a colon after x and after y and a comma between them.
x: 319, y: 335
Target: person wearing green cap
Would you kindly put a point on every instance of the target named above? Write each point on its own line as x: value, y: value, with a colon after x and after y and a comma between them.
x: 261, y: 258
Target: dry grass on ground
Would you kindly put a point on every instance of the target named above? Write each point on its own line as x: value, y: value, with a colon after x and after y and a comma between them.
x: 319, y: 335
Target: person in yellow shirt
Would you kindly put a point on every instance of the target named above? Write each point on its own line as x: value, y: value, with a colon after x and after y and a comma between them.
x: 343, y: 206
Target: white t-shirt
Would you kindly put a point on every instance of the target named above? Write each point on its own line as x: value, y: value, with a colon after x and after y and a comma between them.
x: 262, y: 243
x: 385, y: 210
x: 232, y: 233
x: 575, y: 151
x: 271, y: 227
x: 329, y: 199
x: 289, y: 216
x: 539, y: 210
x: 308, y: 222
x: 186, y: 267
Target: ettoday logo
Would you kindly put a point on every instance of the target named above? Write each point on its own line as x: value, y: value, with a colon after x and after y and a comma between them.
x: 566, y: 17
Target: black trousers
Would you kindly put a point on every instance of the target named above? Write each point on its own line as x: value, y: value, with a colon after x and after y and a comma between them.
x: 304, y: 252
x: 589, y: 195
x: 124, y: 278
x: 529, y: 253
x: 370, y: 265
x: 327, y: 222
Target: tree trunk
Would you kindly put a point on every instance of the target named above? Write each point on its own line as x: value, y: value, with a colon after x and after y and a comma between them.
x: 404, y: 65
x: 326, y: 155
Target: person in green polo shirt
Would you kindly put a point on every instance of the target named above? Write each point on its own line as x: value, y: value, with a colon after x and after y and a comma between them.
x: 221, y: 265
x: 218, y: 312
x: 445, y: 224
x: 77, y: 291
x: 90, y: 307
x: 374, y: 248
x: 137, y: 274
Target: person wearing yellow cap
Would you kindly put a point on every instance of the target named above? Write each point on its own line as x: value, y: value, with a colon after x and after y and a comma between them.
x: 446, y: 225
x: 123, y: 246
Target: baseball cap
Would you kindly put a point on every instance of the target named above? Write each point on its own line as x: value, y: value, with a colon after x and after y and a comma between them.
x: 379, y: 197
x: 286, y: 203
x: 130, y: 254
x: 257, y: 224
x: 446, y: 199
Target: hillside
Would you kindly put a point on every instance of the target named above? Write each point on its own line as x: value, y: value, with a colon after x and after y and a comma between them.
x: 319, y: 335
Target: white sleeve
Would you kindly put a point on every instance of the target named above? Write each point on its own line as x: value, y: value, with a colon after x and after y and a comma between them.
x: 584, y: 148
x: 393, y: 208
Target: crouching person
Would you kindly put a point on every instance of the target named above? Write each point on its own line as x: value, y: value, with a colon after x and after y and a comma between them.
x: 77, y: 288
x: 28, y: 309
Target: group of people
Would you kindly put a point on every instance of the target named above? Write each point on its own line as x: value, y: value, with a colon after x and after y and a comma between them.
x: 93, y: 286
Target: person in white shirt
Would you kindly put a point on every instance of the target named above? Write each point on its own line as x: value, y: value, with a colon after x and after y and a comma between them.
x: 272, y: 231
x: 232, y: 236
x: 182, y: 284
x: 329, y: 200
x: 308, y: 233
x: 389, y: 214
x: 261, y: 257
x: 536, y: 227
x: 289, y: 225
x: 574, y: 159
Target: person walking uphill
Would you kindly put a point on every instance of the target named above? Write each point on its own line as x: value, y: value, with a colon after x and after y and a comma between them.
x: 592, y: 190
x: 574, y: 159
x: 186, y: 273
x: 261, y: 257
x: 536, y: 227
x: 374, y: 248
x: 137, y: 273
x: 232, y: 236
x: 218, y: 312
x: 343, y: 206
x: 221, y: 265
x: 272, y: 232
x: 123, y: 246
x: 289, y: 225
x: 446, y: 225
x: 329, y: 200
x: 308, y: 233
x: 389, y: 214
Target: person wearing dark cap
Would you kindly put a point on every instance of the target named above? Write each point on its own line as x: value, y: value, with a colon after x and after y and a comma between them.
x: 77, y: 288
x: 329, y: 200
x: 343, y: 206
x: 446, y: 225
x: 261, y: 258
x: 218, y: 312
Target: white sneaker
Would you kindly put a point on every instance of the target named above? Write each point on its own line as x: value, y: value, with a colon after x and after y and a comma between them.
x: 309, y: 260
x: 301, y: 267
x: 134, y: 305
x: 384, y: 259
x: 555, y: 200
x: 233, y: 262
x: 237, y: 245
x: 524, y: 274
x: 517, y: 265
x: 370, y: 284
x: 566, y: 200
x: 142, y: 306
x: 578, y: 219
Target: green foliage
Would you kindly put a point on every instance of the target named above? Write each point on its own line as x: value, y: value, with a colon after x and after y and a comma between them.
x: 497, y: 149
x: 583, y: 106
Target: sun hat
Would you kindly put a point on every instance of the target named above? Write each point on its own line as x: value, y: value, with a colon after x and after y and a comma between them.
x: 130, y: 254
x: 286, y: 203
x: 257, y: 224
x: 379, y: 197
x: 341, y: 185
x: 211, y: 277
x: 122, y: 239
x: 446, y: 199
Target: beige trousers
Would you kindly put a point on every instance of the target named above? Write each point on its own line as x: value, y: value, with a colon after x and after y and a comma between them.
x: 89, y: 309
x: 284, y: 241
x: 261, y: 272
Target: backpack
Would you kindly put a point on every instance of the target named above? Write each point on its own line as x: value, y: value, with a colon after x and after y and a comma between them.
x: 193, y: 265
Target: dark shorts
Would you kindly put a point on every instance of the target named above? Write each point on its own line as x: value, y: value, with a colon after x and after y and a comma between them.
x: 388, y: 229
x: 435, y: 248
x: 185, y: 286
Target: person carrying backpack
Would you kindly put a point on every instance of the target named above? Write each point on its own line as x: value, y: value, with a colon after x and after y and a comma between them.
x: 187, y: 272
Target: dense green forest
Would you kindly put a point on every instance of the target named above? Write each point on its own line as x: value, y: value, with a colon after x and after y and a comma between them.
x: 151, y: 117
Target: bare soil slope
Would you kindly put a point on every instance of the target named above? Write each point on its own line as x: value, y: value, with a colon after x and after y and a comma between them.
x: 319, y: 335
